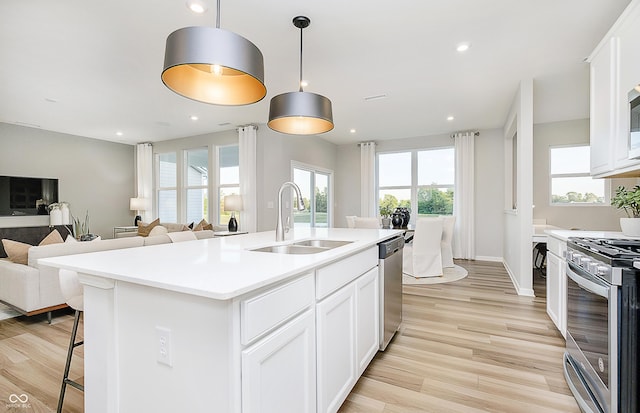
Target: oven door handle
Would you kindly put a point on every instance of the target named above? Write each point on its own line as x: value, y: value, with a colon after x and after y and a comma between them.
x: 589, y: 283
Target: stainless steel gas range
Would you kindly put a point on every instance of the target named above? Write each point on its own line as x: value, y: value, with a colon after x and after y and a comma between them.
x: 603, y: 319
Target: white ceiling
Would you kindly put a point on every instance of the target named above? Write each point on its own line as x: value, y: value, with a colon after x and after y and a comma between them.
x: 92, y: 68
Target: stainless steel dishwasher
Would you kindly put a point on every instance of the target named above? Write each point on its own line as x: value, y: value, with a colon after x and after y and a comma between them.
x: 390, y: 273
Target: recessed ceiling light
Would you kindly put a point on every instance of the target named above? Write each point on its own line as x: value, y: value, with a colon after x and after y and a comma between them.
x: 52, y: 100
x: 463, y: 47
x: 193, y: 117
x: 450, y: 118
x: 352, y: 130
x: 119, y: 133
x: 197, y: 6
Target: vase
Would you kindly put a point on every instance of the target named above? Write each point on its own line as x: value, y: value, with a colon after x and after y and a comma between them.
x: 66, y: 215
x: 55, y: 215
x: 396, y: 221
x: 630, y: 226
x: 386, y: 223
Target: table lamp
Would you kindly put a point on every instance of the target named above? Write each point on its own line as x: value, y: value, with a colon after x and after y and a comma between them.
x: 233, y: 203
x: 137, y: 204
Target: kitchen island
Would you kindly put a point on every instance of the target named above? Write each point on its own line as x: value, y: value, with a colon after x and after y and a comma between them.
x: 212, y: 326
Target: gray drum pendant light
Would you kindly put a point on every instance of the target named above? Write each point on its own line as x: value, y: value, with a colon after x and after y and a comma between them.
x: 300, y: 113
x: 212, y: 65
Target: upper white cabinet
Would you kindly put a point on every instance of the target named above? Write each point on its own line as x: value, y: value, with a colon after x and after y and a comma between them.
x: 615, y: 70
x: 602, y: 107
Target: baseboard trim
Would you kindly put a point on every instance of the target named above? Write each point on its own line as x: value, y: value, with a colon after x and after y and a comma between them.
x: 488, y: 258
x: 527, y: 292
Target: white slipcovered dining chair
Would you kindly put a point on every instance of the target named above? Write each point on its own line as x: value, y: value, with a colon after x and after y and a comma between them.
x: 351, y: 221
x: 365, y: 222
x: 74, y: 297
x: 423, y: 257
x: 448, y: 222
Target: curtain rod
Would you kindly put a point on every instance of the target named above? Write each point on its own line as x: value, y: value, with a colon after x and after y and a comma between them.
x: 244, y: 126
x: 475, y: 133
x: 362, y: 143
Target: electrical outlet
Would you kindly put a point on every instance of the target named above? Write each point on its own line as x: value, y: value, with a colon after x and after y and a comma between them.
x: 163, y: 344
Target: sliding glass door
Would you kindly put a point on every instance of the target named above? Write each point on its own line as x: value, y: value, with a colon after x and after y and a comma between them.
x: 315, y: 186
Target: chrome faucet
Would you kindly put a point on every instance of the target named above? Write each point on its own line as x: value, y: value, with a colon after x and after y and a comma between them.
x: 279, y: 227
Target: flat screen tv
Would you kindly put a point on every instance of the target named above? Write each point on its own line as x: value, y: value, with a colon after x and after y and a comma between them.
x: 26, y: 196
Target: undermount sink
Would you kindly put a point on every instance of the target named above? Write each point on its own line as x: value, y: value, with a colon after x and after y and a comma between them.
x: 322, y: 243
x: 311, y: 246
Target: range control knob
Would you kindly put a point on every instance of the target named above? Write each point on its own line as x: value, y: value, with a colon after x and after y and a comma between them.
x: 602, y: 270
x: 568, y: 255
x: 584, y: 262
x: 592, y: 267
x: 576, y: 258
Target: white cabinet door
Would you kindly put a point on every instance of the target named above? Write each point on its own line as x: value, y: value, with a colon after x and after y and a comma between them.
x: 336, y: 348
x: 367, y: 318
x: 603, y: 111
x: 279, y: 371
x: 557, y: 291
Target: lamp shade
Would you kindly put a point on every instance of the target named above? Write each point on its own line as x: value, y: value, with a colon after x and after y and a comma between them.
x: 212, y: 65
x: 233, y: 203
x: 138, y: 204
x: 300, y: 113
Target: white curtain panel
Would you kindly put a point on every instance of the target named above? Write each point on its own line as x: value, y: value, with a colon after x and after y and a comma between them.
x: 368, y: 204
x: 247, y: 139
x: 144, y: 177
x: 463, y: 204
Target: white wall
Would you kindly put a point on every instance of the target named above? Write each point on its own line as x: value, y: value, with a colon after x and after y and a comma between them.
x: 275, y: 153
x: 488, y: 181
x: 572, y: 132
x: 93, y: 175
x: 518, y: 224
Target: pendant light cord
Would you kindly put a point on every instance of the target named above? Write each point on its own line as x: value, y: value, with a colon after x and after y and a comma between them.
x: 301, y: 60
x: 218, y: 15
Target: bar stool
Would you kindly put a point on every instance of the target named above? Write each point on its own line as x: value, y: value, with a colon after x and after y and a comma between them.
x: 73, y: 295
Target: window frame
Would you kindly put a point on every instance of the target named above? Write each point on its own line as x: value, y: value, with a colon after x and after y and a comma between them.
x: 414, y: 187
x: 213, y: 186
x: 607, y: 185
x: 219, y: 186
x: 312, y: 201
x: 186, y: 187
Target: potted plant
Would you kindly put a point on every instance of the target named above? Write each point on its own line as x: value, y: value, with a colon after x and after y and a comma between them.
x: 385, y: 214
x: 629, y: 201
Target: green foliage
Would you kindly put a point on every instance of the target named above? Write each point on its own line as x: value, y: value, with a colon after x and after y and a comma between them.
x: 435, y: 202
x: 577, y: 198
x: 388, y: 204
x: 80, y: 228
x: 629, y: 201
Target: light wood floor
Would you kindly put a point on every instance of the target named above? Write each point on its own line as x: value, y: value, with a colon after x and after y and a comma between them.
x: 468, y: 346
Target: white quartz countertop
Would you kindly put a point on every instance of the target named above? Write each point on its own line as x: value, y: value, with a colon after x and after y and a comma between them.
x: 565, y: 234
x: 220, y: 268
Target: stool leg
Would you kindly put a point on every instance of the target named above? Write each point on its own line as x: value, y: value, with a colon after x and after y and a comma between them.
x: 72, y: 346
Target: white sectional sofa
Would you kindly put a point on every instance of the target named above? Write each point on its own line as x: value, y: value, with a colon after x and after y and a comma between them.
x: 34, y: 289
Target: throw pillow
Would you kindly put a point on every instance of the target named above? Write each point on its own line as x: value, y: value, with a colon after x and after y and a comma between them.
x: 16, y: 251
x: 202, y: 225
x: 54, y: 237
x: 158, y: 230
x: 145, y: 229
x: 70, y: 239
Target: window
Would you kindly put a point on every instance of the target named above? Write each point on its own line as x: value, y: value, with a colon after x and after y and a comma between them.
x: 197, y: 177
x: 422, y: 180
x: 167, y: 189
x: 186, y: 179
x: 228, y: 178
x: 317, y: 212
x: 570, y: 182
